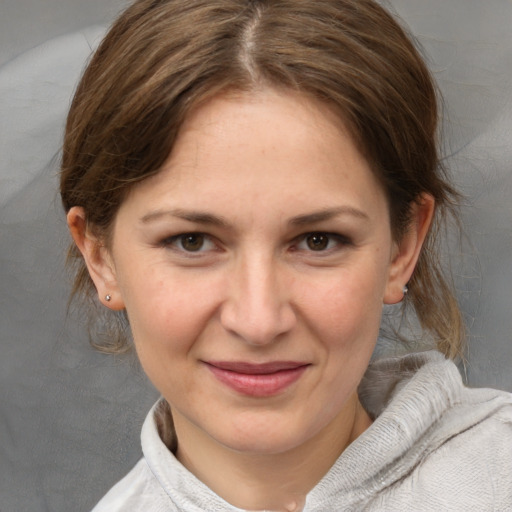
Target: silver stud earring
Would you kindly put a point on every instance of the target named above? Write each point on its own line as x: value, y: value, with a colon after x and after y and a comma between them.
x: 405, y: 290
x: 108, y: 297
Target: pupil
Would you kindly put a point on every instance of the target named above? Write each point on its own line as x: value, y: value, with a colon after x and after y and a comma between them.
x: 192, y: 242
x: 317, y: 242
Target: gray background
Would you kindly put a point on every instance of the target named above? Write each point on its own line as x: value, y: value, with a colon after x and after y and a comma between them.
x: 70, y: 417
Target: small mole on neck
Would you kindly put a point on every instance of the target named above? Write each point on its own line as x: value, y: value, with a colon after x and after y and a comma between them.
x: 291, y: 506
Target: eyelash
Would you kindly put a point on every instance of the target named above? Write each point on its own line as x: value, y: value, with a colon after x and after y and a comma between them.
x: 174, y: 240
x: 340, y: 241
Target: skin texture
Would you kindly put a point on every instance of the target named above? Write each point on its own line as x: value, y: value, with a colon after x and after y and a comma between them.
x: 291, y: 260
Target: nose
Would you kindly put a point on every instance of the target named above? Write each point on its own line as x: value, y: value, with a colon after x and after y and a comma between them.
x: 258, y: 308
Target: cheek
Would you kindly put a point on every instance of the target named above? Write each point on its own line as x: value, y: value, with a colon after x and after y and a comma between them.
x: 166, y: 327
x: 344, y: 315
x: 345, y: 309
x: 166, y: 311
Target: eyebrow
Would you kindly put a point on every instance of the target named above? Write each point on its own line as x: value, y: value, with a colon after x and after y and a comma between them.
x: 327, y: 214
x: 189, y: 215
x: 199, y: 217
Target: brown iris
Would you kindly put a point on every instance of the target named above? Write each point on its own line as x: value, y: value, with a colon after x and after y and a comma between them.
x: 317, y: 241
x: 192, y: 242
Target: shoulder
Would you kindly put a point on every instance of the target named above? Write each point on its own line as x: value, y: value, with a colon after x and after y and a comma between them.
x: 466, y: 454
x: 471, y: 469
x: 143, y: 489
x: 159, y: 482
x: 137, y: 491
x: 478, y: 454
x: 448, y: 447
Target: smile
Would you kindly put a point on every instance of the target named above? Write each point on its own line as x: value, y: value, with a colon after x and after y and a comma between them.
x: 257, y: 380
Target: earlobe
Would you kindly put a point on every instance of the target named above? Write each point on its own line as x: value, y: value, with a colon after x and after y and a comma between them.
x: 409, y: 248
x: 97, y: 258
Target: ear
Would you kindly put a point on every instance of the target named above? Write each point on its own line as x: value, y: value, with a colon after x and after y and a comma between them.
x: 97, y: 258
x: 408, y: 249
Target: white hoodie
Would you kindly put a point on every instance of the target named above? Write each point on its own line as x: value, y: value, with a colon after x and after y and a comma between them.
x: 435, y: 445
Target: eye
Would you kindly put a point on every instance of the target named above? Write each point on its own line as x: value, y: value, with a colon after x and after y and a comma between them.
x: 190, y: 242
x: 317, y: 241
x: 321, y: 242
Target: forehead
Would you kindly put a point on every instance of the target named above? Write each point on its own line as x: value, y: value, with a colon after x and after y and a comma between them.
x: 262, y: 121
x: 268, y: 148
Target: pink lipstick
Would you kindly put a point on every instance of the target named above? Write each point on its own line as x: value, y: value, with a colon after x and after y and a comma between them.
x: 258, y: 380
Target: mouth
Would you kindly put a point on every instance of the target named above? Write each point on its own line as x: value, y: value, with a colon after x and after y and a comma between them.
x: 257, y: 380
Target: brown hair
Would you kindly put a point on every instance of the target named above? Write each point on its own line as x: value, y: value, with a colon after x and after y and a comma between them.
x: 161, y: 58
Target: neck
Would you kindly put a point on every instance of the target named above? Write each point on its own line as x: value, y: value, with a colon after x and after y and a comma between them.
x: 268, y: 481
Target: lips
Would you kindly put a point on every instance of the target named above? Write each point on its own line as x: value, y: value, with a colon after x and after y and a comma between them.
x: 257, y: 380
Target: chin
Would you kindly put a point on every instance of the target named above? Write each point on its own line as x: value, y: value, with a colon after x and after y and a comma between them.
x: 263, y: 436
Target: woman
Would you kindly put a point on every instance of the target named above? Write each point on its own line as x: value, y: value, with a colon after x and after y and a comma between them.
x: 247, y: 183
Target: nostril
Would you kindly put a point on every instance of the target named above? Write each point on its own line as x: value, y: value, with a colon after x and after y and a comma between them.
x: 258, y: 326
x: 257, y: 308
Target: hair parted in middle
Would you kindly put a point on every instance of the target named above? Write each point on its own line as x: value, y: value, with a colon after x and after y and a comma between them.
x: 163, y: 58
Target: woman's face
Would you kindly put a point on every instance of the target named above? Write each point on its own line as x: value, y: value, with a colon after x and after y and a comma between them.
x: 253, y: 269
